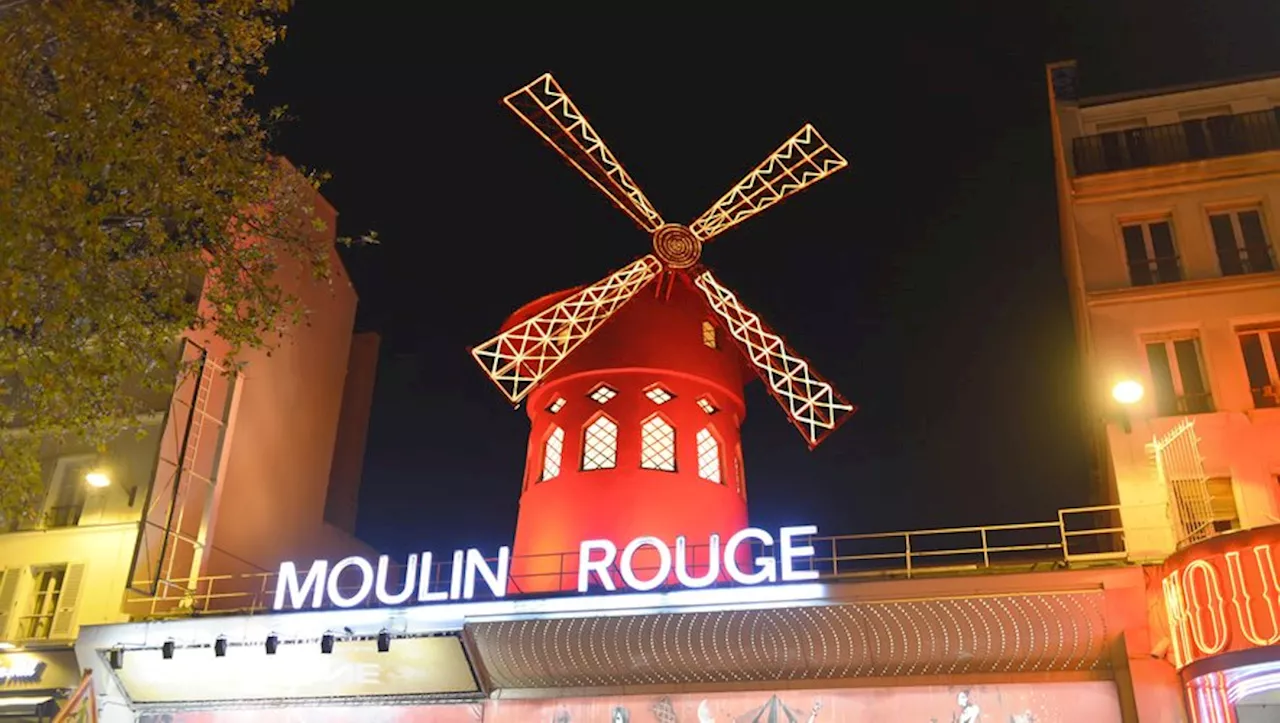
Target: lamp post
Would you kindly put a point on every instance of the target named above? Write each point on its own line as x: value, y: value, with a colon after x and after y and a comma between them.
x: 1126, y: 393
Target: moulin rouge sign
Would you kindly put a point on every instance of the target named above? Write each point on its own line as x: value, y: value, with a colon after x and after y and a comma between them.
x: 351, y: 581
x: 1223, y: 595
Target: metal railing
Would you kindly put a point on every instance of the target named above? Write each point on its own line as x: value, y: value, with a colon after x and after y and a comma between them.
x: 1083, y: 536
x: 1191, y: 140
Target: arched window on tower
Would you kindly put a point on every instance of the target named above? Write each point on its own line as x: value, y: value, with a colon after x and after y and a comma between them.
x: 552, y: 453
x: 708, y: 455
x: 600, y: 444
x: 658, y: 445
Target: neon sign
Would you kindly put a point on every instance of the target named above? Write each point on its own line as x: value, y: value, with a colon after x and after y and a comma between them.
x: 599, y: 562
x: 1223, y: 596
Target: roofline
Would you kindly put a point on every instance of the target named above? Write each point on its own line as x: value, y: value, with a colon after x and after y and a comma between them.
x: 1171, y: 89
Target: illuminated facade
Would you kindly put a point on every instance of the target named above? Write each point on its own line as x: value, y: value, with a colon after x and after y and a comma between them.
x: 230, y: 479
x: 1170, y: 215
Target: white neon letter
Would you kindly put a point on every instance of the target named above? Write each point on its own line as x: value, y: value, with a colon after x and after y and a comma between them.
x: 287, y: 583
x: 768, y: 571
x: 664, y: 563
x: 425, y: 573
x: 600, y: 567
x: 682, y: 563
x: 362, y: 592
x: 495, y: 579
x: 789, y: 552
x: 455, y: 575
x: 380, y: 588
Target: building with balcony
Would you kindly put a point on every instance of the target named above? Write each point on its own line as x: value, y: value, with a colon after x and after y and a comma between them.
x: 232, y: 473
x: 1169, y: 205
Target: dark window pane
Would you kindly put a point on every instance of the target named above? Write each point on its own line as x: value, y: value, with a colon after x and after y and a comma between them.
x: 1135, y: 248
x: 1224, y: 240
x: 1162, y: 377
x: 1194, y: 390
x: 1224, y: 134
x: 1255, y: 364
x: 1194, y: 133
x: 1112, y: 151
x: 1255, y: 241
x: 1166, y: 259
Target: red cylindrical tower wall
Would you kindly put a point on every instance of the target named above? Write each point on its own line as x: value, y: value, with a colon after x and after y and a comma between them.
x: 659, y: 345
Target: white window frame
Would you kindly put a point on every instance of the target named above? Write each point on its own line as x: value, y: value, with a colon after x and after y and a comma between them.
x: 611, y: 463
x: 552, y: 447
x: 715, y: 448
x: 1151, y: 259
x: 1237, y: 231
x: 1175, y: 370
x: 661, y: 461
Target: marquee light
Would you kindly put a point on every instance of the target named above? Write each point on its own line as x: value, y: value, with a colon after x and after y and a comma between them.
x: 1209, y: 616
x: 597, y: 562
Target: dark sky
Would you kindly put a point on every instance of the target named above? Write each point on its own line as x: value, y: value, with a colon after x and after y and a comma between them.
x: 924, y: 280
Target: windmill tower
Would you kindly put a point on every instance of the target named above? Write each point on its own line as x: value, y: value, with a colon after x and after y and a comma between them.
x: 634, y: 384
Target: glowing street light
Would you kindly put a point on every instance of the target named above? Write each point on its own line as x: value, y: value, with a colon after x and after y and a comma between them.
x: 97, y: 479
x: 1127, y: 392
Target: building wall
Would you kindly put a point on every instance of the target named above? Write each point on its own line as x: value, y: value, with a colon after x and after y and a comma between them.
x: 1236, y: 440
x: 271, y: 498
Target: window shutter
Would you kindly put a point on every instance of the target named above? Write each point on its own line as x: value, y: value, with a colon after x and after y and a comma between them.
x: 64, y: 618
x: 9, y: 580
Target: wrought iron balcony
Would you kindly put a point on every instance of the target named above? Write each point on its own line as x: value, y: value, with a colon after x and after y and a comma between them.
x: 1191, y: 140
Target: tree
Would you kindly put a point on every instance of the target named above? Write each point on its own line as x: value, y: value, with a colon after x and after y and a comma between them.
x: 135, y: 177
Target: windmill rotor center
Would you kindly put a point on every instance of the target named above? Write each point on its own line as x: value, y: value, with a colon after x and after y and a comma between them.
x: 676, y: 246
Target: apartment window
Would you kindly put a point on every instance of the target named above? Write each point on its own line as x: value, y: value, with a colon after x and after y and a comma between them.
x: 1222, y: 504
x: 42, y: 605
x: 708, y: 455
x: 600, y: 445
x: 1241, y: 242
x: 709, y: 335
x: 552, y: 454
x: 68, y: 491
x: 658, y: 445
x: 1148, y: 248
x: 1261, y: 348
x: 1177, y: 372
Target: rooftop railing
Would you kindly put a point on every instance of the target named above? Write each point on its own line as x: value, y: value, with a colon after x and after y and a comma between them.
x: 1191, y: 140
x: 1084, y: 536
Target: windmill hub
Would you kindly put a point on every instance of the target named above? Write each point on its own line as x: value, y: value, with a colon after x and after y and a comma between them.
x: 676, y: 246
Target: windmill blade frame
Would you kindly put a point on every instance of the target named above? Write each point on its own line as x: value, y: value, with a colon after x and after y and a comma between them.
x: 517, y: 359
x: 545, y: 107
x: 801, y: 161
x: 812, y: 404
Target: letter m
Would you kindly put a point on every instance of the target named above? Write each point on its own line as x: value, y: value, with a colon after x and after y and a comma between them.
x: 287, y: 582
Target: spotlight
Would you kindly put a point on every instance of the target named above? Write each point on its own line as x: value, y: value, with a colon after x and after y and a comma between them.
x: 326, y: 643
x: 384, y: 641
x: 115, y: 657
x: 166, y: 650
x: 220, y: 646
x: 272, y: 643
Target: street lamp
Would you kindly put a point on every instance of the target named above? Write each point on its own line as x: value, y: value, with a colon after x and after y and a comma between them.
x: 97, y: 479
x: 1127, y: 392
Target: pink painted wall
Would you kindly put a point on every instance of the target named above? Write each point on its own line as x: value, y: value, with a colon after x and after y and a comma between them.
x: 342, y: 500
x: 270, y: 502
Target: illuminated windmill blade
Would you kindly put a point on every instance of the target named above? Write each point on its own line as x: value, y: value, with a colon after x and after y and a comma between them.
x: 520, y: 357
x: 802, y: 161
x: 811, y: 403
x: 545, y: 106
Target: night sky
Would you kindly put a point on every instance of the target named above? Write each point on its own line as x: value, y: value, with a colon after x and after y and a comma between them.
x: 924, y: 280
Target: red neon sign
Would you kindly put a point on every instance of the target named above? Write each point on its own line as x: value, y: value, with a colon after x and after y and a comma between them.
x: 1223, y: 595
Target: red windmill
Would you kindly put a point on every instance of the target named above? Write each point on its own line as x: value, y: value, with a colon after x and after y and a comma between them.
x: 635, y: 399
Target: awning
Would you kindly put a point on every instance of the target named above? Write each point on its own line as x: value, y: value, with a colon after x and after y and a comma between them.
x: 26, y: 706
